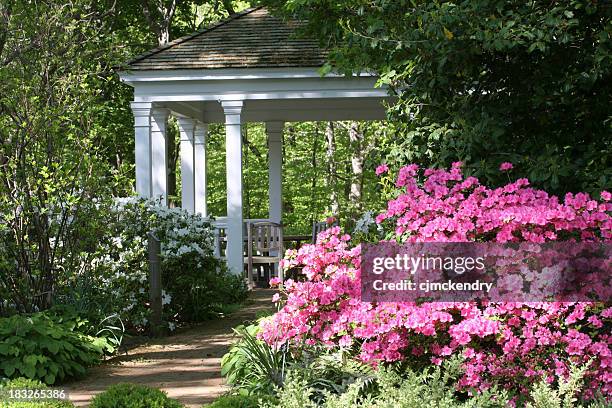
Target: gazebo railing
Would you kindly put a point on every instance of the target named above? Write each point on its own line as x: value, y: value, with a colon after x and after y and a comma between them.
x: 220, y: 226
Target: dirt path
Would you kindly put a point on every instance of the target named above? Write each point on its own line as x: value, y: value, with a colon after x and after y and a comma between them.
x: 186, y: 365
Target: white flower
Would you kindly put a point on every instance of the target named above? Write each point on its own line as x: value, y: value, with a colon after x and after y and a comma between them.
x: 166, y: 298
x: 364, y: 223
x: 118, y: 242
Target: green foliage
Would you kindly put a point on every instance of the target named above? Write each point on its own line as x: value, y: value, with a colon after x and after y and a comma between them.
x: 332, y: 372
x: 544, y: 395
x: 235, y: 401
x: 196, y: 285
x: 252, y: 365
x: 307, y: 188
x: 52, y: 170
x: 27, y: 384
x: 434, y: 386
x: 110, y: 328
x: 21, y: 382
x: 294, y: 394
x: 133, y: 396
x: 427, y: 389
x: 39, y: 347
x: 38, y: 404
x: 484, y: 81
x: 430, y: 388
x: 66, y: 139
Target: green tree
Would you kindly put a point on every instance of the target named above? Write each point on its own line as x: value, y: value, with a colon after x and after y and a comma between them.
x: 53, y: 175
x: 307, y: 191
x: 484, y: 81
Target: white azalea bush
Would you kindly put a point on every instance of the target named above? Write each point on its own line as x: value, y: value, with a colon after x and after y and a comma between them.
x: 196, y: 285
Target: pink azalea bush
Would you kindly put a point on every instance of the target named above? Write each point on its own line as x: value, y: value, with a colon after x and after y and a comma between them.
x: 510, y: 344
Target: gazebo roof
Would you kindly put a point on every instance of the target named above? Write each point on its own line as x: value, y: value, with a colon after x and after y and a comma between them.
x: 250, y: 39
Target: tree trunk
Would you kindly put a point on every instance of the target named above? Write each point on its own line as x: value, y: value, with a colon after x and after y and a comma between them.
x: 246, y: 189
x: 313, y: 163
x: 159, y: 16
x: 163, y: 35
x: 332, y: 173
x: 358, y: 154
x: 229, y: 7
x: 172, y: 148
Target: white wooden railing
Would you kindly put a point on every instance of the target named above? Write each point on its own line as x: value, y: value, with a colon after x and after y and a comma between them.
x: 220, y: 225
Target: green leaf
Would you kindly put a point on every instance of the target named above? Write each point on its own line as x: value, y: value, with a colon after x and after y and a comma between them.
x: 9, y: 366
x: 28, y: 370
x: 50, y: 378
x: 448, y: 34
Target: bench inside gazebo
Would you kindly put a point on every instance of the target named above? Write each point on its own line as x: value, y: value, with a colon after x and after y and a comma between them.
x: 249, y: 68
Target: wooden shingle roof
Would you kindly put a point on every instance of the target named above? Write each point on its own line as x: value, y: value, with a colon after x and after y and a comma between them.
x: 251, y: 39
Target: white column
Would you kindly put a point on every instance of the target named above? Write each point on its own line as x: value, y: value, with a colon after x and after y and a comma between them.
x: 142, y: 147
x: 233, y: 149
x: 159, y: 155
x: 275, y: 164
x: 186, y: 127
x: 200, y: 167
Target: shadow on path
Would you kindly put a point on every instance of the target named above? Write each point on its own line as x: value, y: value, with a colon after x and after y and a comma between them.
x: 185, y: 365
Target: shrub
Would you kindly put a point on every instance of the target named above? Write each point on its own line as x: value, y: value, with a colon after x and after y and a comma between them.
x: 431, y: 387
x: 253, y: 365
x: 195, y: 284
x: 434, y: 387
x: 110, y: 328
x: 332, y: 372
x: 510, y: 344
x: 543, y: 395
x: 235, y: 401
x: 133, y: 396
x: 24, y: 383
x: 38, y: 347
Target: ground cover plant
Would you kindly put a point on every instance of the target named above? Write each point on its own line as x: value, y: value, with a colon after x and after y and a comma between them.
x: 40, y: 347
x: 509, y: 345
x: 432, y: 387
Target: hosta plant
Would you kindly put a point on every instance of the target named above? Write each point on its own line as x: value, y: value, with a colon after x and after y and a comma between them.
x: 41, y: 348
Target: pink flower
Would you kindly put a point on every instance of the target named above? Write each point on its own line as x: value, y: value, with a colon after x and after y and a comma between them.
x: 345, y: 341
x: 275, y: 282
x: 381, y: 169
x: 505, y: 166
x: 606, y: 196
x: 501, y: 341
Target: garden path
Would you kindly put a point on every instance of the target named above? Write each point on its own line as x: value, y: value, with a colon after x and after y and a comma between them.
x: 185, y: 365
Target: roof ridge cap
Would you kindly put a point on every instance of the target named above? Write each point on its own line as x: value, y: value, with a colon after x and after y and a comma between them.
x: 188, y: 37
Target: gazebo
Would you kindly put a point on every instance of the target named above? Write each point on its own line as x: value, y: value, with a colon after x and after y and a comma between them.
x: 248, y: 68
